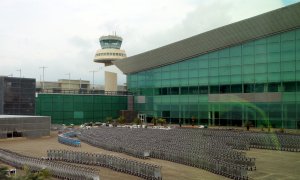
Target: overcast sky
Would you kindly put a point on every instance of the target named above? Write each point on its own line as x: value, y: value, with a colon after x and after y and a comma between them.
x: 63, y: 34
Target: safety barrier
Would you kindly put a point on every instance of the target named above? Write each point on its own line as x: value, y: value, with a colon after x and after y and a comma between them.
x: 136, y: 168
x: 57, y: 169
x: 67, y: 138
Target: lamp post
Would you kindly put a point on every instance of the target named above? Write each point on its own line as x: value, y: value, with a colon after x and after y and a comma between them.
x: 93, y: 71
x: 43, y: 67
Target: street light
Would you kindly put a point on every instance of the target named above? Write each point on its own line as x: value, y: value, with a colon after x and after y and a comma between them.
x: 43, y: 67
x: 93, y: 71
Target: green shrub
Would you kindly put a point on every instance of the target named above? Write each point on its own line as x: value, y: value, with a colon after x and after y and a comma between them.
x: 161, y: 121
x: 154, y: 121
x: 121, y: 120
x: 109, y: 120
x: 137, y: 121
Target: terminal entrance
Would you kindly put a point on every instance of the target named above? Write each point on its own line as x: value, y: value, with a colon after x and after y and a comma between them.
x: 142, y: 117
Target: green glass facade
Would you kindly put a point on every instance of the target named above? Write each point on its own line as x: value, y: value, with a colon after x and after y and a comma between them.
x: 78, y: 109
x: 257, y: 81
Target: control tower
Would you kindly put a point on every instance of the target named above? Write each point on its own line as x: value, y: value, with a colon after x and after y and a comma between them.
x: 110, y: 51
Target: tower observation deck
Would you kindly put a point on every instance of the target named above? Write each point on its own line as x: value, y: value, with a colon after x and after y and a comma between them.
x: 110, y: 51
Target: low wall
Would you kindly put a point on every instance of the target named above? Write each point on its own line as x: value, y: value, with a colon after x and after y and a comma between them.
x: 25, y: 126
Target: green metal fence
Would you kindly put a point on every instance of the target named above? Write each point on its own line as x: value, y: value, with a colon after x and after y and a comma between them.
x: 78, y: 109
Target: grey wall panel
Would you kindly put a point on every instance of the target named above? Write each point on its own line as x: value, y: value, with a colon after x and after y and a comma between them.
x: 33, y: 126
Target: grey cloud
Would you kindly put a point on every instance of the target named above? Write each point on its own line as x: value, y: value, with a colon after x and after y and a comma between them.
x: 205, y: 17
x: 65, y: 38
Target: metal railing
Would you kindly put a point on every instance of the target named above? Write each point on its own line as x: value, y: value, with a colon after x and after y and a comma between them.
x: 83, y: 91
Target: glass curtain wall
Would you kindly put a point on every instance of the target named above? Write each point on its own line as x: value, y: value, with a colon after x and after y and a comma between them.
x: 182, y: 91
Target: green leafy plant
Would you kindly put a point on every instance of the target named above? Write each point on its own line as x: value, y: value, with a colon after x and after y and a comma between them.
x: 121, y: 120
x: 154, y: 121
x: 137, y: 121
x: 161, y: 121
x: 43, y: 174
x: 40, y: 175
x: 247, y: 125
x: 3, y: 173
x: 193, y: 120
x: 281, y: 130
x: 262, y: 128
x: 109, y: 120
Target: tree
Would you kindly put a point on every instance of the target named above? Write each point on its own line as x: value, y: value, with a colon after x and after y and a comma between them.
x: 43, y: 174
x: 121, y: 120
x: 137, y: 121
x: 193, y: 120
x: 3, y: 173
x: 161, y: 121
x: 248, y: 124
x: 108, y: 120
x: 40, y: 175
x: 154, y: 121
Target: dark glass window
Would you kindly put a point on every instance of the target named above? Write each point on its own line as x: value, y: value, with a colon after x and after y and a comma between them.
x: 289, y: 86
x: 184, y: 90
x: 203, y: 90
x: 273, y: 87
x: 259, y: 87
x: 214, y: 90
x: 174, y: 90
x: 298, y: 87
x: 248, y: 88
x: 237, y: 88
x: 166, y: 114
x: 225, y: 89
x: 164, y: 91
x: 84, y: 86
x: 193, y: 90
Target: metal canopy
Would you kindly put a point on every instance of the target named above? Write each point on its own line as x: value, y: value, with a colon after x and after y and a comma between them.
x: 267, y: 24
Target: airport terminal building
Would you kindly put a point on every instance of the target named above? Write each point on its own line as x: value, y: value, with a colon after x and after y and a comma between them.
x: 245, y: 72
